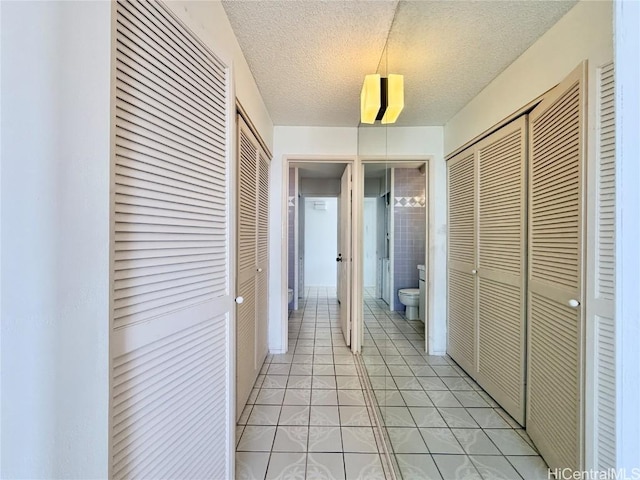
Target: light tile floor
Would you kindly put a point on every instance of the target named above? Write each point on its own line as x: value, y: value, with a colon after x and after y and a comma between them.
x: 307, y: 418
x: 440, y: 423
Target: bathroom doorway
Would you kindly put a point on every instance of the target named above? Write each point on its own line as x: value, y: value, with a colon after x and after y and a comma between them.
x: 395, y: 239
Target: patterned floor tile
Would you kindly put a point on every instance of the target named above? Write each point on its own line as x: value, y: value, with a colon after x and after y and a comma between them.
x: 287, y: 466
x: 361, y: 466
x: 251, y: 465
x: 418, y: 467
x: 325, y: 466
x: 406, y: 440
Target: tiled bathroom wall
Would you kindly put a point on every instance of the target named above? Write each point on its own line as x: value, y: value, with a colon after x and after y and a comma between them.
x: 409, y: 235
x: 291, y: 228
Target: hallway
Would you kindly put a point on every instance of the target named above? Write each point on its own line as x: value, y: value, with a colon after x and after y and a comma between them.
x: 307, y: 415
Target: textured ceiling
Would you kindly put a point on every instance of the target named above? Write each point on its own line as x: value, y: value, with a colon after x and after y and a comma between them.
x: 309, y: 57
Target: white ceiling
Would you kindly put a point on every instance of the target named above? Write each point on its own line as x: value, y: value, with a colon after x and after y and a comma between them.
x: 309, y: 57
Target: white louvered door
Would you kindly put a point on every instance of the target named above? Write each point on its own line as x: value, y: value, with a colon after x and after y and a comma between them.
x: 461, y: 264
x: 171, y: 303
x: 501, y: 163
x: 601, y: 278
x: 262, y: 259
x: 555, y: 317
x: 252, y: 276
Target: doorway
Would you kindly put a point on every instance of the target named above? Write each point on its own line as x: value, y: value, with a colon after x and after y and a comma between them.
x: 319, y: 243
x: 394, y: 230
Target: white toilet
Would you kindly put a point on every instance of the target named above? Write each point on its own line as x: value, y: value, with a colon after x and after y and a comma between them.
x: 410, y: 297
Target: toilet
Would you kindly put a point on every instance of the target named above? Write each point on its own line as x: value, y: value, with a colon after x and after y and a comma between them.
x: 290, y: 295
x: 410, y: 297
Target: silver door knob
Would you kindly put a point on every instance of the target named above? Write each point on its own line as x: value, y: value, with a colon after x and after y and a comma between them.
x: 573, y: 303
x: 259, y: 270
x: 239, y: 300
x: 474, y: 272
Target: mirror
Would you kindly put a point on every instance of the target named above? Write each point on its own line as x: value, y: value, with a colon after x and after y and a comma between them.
x: 394, y: 214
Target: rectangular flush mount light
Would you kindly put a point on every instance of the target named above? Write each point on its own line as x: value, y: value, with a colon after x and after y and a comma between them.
x: 395, y: 98
x: 370, y: 99
x: 381, y: 98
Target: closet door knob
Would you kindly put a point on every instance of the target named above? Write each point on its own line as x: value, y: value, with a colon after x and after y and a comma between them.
x: 239, y: 300
x: 259, y: 270
x: 474, y: 272
x: 573, y: 303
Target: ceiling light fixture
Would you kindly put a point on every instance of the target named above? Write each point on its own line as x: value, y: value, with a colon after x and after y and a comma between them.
x: 381, y: 98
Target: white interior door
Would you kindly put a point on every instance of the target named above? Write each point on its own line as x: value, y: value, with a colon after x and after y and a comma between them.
x: 301, y: 246
x: 555, y: 315
x: 344, y: 253
x: 170, y: 251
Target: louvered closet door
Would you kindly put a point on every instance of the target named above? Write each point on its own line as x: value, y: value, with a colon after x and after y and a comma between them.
x: 461, y: 290
x: 262, y: 260
x: 170, y: 252
x: 601, y: 280
x: 501, y: 266
x: 247, y: 367
x: 555, y: 330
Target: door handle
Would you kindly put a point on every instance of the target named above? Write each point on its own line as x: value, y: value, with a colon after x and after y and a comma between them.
x: 259, y: 270
x: 474, y: 272
x: 573, y: 303
x: 339, y: 259
x: 239, y: 300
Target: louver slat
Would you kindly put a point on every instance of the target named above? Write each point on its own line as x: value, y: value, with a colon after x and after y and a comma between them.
x: 555, y: 331
x: 170, y: 294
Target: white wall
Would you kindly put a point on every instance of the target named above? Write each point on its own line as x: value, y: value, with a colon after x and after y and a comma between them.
x: 627, y: 55
x: 369, y: 241
x: 585, y: 32
x: 317, y: 142
x: 55, y: 238
x: 208, y: 20
x: 320, y: 242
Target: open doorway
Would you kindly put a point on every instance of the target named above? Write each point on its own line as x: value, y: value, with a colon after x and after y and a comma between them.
x: 320, y: 238
x: 394, y: 242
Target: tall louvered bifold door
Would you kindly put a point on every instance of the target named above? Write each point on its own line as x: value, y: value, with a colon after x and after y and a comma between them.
x: 501, y: 163
x: 601, y: 278
x: 461, y: 265
x: 252, y: 275
x: 486, y: 264
x: 555, y: 318
x: 170, y: 276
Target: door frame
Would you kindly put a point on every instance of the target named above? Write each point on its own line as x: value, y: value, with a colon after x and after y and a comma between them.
x: 287, y: 160
x: 358, y: 234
